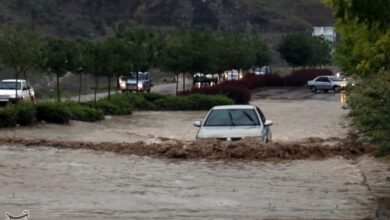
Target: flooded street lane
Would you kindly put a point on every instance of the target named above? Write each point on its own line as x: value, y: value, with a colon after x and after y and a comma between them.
x: 64, y: 184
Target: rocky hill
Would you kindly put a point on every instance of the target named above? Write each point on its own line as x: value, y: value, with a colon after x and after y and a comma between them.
x: 94, y: 18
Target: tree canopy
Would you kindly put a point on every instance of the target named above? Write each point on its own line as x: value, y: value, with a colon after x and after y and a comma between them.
x: 364, y: 53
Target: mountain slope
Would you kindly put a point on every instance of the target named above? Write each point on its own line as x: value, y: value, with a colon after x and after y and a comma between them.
x: 93, y: 18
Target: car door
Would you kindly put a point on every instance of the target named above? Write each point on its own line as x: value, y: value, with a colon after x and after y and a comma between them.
x: 327, y: 84
x: 319, y: 82
x: 25, y: 90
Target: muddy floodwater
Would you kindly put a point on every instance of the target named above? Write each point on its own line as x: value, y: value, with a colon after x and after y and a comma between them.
x: 54, y: 183
x: 65, y: 184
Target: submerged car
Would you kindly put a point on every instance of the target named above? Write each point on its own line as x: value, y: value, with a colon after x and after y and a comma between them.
x: 233, y: 123
x: 12, y: 90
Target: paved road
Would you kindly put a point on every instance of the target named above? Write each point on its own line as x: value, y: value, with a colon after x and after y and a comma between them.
x: 165, y: 89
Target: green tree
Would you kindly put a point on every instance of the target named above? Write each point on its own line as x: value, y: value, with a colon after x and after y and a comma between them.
x: 303, y: 50
x: 295, y: 49
x: 321, y: 52
x: 121, y: 56
x: 263, y: 56
x: 19, y: 49
x: 234, y: 52
x: 364, y: 53
x: 80, y: 61
x: 96, y: 63
x: 177, y: 55
x: 58, y: 59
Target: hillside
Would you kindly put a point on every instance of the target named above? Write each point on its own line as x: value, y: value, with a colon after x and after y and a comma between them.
x: 94, y: 18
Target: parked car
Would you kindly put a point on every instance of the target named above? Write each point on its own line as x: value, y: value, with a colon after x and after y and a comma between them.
x: 234, y: 122
x: 130, y: 84
x: 202, y: 80
x: 12, y: 90
x: 327, y: 83
x: 233, y: 75
x: 260, y: 70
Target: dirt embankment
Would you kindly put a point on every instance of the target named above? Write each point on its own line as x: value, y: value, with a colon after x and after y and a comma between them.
x: 311, y: 148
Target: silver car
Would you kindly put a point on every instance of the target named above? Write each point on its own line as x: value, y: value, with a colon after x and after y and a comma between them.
x: 234, y: 122
x: 326, y: 83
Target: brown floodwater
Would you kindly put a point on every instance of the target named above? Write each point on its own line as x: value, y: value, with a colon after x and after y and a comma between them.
x: 82, y: 184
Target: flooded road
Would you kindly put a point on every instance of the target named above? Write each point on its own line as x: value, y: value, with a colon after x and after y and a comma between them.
x: 65, y: 184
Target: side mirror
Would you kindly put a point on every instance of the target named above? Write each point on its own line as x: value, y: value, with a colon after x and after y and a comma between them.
x: 268, y: 123
x: 25, y: 88
x: 198, y: 123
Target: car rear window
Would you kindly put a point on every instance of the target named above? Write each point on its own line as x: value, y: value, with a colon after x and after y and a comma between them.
x: 232, y: 117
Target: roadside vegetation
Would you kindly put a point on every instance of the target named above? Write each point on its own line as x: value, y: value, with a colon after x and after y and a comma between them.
x: 26, y: 113
x: 240, y: 90
x: 364, y: 54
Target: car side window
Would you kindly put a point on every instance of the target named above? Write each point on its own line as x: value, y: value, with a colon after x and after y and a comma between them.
x: 261, y: 115
x: 320, y: 79
x: 326, y: 79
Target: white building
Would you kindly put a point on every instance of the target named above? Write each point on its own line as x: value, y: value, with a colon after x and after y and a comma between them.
x: 328, y: 33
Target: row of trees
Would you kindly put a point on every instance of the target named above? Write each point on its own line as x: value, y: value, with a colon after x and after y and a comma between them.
x: 137, y: 49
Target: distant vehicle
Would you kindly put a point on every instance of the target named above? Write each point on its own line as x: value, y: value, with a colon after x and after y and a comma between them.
x: 12, y: 90
x: 327, y: 83
x: 260, y: 70
x: 130, y: 84
x: 202, y: 80
x: 233, y: 75
x: 233, y: 123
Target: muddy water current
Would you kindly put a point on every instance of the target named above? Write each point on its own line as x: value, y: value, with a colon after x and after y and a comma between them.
x: 81, y: 184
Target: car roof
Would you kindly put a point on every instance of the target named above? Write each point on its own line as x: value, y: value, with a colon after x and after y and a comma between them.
x: 234, y: 107
x: 325, y: 76
x: 13, y: 80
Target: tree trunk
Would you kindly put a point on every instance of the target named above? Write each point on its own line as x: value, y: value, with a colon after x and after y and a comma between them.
x: 96, y: 85
x: 136, y: 82
x: 184, y: 82
x: 58, y: 88
x: 29, y: 90
x: 80, y: 85
x: 109, y: 88
x: 16, y: 88
x: 177, y: 84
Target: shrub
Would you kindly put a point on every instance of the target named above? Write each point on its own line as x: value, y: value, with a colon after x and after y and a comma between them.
x: 175, y: 103
x: 7, y: 118
x: 119, y: 104
x: 83, y: 113
x: 205, y: 102
x: 300, y: 77
x: 25, y: 113
x: 107, y: 108
x: 370, y: 110
x: 235, y: 90
x: 151, y: 97
x: 53, y: 112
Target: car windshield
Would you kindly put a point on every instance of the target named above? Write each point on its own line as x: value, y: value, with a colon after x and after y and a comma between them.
x: 9, y: 85
x: 336, y: 79
x: 141, y: 76
x: 232, y: 117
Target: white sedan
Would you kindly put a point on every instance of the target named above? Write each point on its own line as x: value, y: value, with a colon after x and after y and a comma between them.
x: 234, y: 122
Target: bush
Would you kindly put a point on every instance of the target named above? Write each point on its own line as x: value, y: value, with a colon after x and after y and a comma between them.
x: 7, y: 118
x: 83, y: 113
x: 53, y: 112
x: 300, y: 77
x: 151, y: 97
x: 206, y: 102
x: 370, y: 110
x: 235, y: 90
x: 25, y: 113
